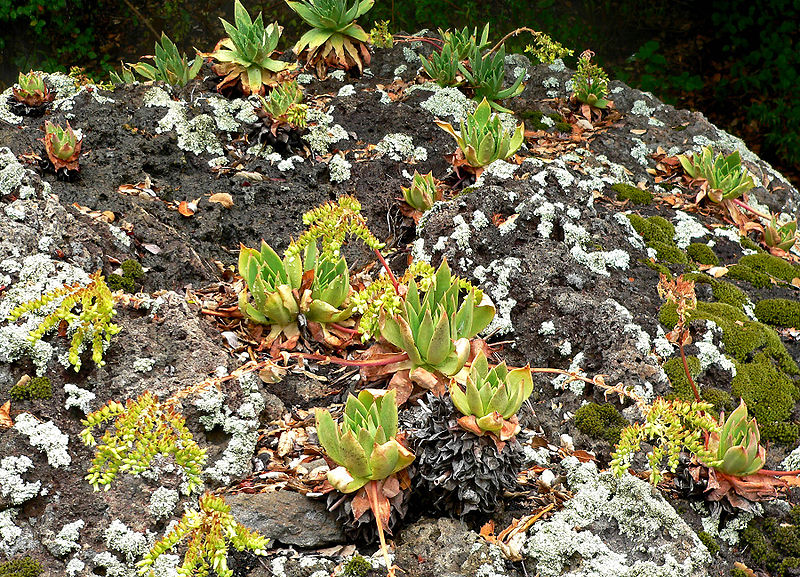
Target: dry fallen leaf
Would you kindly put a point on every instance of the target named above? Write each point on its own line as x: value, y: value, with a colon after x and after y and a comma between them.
x: 187, y: 208
x: 222, y: 198
x: 5, y: 418
x: 638, y: 131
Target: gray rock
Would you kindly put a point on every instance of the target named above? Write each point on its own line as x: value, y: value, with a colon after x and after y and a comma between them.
x: 288, y: 517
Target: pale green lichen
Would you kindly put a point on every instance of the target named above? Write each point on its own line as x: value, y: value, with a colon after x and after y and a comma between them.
x: 67, y: 539
x: 46, y: 437
x: 12, y: 486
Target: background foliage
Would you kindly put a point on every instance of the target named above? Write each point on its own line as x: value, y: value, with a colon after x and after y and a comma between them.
x: 736, y: 61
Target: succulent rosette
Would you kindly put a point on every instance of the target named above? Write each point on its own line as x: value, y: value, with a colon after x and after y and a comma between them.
x: 63, y: 146
x: 727, y: 178
x: 364, y: 445
x: 492, y: 398
x: 780, y: 236
x: 422, y: 193
x: 32, y: 91
x: 737, y: 446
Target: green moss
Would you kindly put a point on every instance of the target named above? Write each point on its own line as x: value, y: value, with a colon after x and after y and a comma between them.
x: 533, y: 119
x: 660, y: 268
x: 774, y: 544
x: 702, y: 253
x: 600, y: 421
x: 677, y: 376
x: 632, y: 193
x: 780, y: 432
x: 709, y: 541
x: 24, y: 567
x: 746, y: 274
x: 563, y: 127
x: 37, y: 388
x: 132, y: 269
x: 721, y: 399
x: 669, y: 253
x: 668, y: 315
x: 116, y: 282
x: 749, y: 244
x: 771, y: 265
x: 778, y: 312
x: 356, y: 566
x: 728, y: 293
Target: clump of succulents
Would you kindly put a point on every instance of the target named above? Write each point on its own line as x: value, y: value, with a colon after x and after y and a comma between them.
x: 422, y: 193
x: 726, y: 178
x: 90, y: 324
x: 211, y: 530
x: 482, y: 138
x: 486, y: 74
x: 545, y: 49
x: 244, y: 58
x: 460, y: 472
x: 465, y: 43
x: 736, y: 446
x: 590, y: 82
x: 171, y: 66
x: 442, y: 66
x: 368, y: 454
x: 780, y: 236
x: 62, y: 145
x: 379, y: 36
x: 32, y: 91
x: 335, y: 40
x: 491, y: 398
x: 434, y: 325
x: 282, y: 118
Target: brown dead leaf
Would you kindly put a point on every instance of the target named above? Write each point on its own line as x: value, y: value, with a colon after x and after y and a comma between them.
x: 5, y: 418
x: 796, y: 282
x: 744, y: 569
x: 222, y: 198
x: 286, y: 443
x: 188, y: 209
x: 638, y: 131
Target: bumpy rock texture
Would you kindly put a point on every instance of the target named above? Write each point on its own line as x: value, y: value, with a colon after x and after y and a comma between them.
x: 547, y: 238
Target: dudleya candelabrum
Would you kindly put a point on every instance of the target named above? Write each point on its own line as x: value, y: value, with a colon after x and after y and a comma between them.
x: 486, y: 74
x: 63, y: 146
x: 435, y: 329
x: 492, y: 398
x: 281, y: 289
x: 422, y: 193
x: 364, y: 445
x: 335, y: 39
x: 244, y: 57
x: 32, y: 91
x: 483, y: 139
x: 726, y: 177
x: 736, y: 445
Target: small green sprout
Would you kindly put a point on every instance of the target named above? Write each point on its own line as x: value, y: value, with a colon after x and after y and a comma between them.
x: 380, y: 35
x: 171, y: 66
x: 590, y: 82
x: 63, y: 146
x: 486, y: 75
x: 781, y: 236
x: 285, y: 106
x: 442, y: 67
x: 422, y: 193
x: 545, y: 49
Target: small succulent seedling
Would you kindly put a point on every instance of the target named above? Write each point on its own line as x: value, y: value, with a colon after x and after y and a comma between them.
x: 464, y: 43
x: 737, y: 444
x: 285, y: 106
x: 590, y: 83
x: 726, y: 178
x: 124, y: 76
x: 367, y: 451
x: 434, y: 329
x: 63, y: 146
x: 492, y: 398
x: 211, y: 530
x: 91, y: 324
x: 32, y: 91
x: 780, y: 236
x: 171, y: 66
x: 545, y: 49
x: 443, y: 66
x: 244, y: 58
x: 486, y: 74
x: 335, y: 39
x: 143, y: 428
x: 483, y: 139
x: 422, y: 193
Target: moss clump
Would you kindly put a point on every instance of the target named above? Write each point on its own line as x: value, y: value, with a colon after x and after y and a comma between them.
x: 749, y: 244
x: 668, y: 315
x: 771, y: 265
x: 729, y: 294
x: 709, y: 541
x: 722, y: 400
x: 677, y: 376
x: 653, y: 229
x: 702, y: 253
x: 533, y: 120
x: 778, y: 312
x: 774, y: 544
x: 24, y: 567
x: 669, y: 253
x: 600, y: 421
x: 132, y: 269
x: 632, y: 193
x: 356, y: 566
x: 117, y: 282
x: 563, y: 127
x: 37, y: 388
x: 746, y: 274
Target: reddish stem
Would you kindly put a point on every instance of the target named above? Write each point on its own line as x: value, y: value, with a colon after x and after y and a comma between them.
x: 747, y: 207
x: 388, y: 271
x: 229, y: 314
x: 344, y: 329
x: 351, y: 363
x: 419, y: 39
x: 686, y: 367
x: 779, y: 473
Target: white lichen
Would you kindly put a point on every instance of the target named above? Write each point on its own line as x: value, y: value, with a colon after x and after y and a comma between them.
x: 67, y: 539
x: 78, y: 398
x: 46, y: 437
x: 339, y: 168
x: 12, y: 486
x: 162, y: 502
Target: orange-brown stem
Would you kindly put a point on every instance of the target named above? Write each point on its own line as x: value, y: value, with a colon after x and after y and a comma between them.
x: 372, y: 489
x: 388, y: 271
x: 351, y: 363
x: 686, y: 367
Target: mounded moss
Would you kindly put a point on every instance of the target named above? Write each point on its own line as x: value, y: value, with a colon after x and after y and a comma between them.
x: 23, y: 567
x: 37, y: 388
x: 722, y: 400
x: 669, y: 253
x: 117, y: 282
x: 771, y: 265
x: 774, y: 544
x: 778, y: 312
x: 660, y: 268
x: 600, y: 421
x: 728, y: 293
x: 677, y: 376
x: 132, y: 269
x: 356, y: 566
x: 749, y: 244
x: 653, y: 229
x: 746, y: 274
x: 709, y: 541
x: 702, y: 253
x: 632, y: 193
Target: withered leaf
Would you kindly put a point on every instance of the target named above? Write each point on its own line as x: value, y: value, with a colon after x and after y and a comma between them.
x: 222, y: 198
x: 5, y: 418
